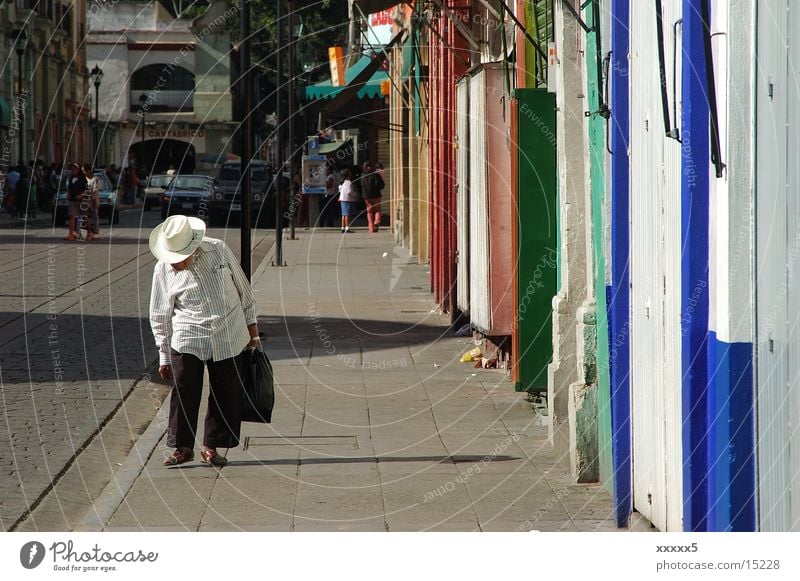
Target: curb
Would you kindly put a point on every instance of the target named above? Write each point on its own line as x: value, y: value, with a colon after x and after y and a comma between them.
x: 18, y: 223
x: 113, y: 495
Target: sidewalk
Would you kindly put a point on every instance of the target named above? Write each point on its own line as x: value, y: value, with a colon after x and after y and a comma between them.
x: 377, y: 425
x: 7, y: 222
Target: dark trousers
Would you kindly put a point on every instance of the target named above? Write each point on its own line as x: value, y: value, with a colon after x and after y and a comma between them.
x: 224, y: 414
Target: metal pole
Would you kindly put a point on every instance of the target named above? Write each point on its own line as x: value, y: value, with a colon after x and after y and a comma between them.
x: 292, y: 111
x: 141, y: 145
x: 278, y: 260
x: 96, y: 121
x: 21, y: 104
x: 245, y: 132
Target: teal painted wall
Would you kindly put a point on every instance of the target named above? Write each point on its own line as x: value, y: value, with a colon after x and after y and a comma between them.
x: 597, y: 151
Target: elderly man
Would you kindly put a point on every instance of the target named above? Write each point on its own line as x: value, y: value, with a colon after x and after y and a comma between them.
x: 202, y: 314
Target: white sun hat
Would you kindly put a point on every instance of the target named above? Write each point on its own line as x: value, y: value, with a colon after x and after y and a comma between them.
x: 176, y: 238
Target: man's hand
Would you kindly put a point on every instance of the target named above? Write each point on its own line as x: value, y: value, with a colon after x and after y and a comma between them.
x: 165, y: 371
x: 255, y: 340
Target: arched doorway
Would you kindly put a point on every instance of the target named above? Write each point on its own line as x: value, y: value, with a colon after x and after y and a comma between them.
x: 158, y: 155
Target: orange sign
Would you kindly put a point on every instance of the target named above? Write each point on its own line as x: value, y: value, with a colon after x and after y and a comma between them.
x: 336, y: 60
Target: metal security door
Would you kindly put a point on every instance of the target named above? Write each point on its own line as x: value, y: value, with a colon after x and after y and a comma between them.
x: 655, y: 274
x: 462, y: 192
x: 479, y: 297
x: 777, y: 261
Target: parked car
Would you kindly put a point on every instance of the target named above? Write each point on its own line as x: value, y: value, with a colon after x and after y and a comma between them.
x: 154, y: 190
x: 227, y: 193
x: 187, y: 194
x: 108, y: 201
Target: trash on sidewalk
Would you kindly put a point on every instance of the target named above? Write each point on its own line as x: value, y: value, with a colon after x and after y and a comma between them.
x: 464, y: 331
x: 472, y: 355
x: 486, y: 363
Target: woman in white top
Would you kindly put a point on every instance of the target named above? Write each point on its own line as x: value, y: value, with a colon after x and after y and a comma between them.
x: 347, y: 198
x: 93, y: 210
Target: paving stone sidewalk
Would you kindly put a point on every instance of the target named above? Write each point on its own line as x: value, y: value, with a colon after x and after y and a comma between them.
x: 377, y: 425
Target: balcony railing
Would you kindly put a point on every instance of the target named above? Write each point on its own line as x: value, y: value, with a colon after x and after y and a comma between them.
x: 163, y: 101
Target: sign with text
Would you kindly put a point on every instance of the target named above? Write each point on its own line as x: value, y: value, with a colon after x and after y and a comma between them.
x: 313, y: 174
x: 336, y: 60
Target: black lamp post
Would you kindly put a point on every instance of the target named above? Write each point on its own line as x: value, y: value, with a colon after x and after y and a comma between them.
x: 20, y: 44
x: 97, y: 76
x: 142, y: 103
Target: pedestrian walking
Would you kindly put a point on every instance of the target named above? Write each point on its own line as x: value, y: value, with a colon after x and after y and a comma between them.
x: 203, y: 315
x: 11, y: 190
x: 93, y: 195
x: 22, y: 192
x: 330, y: 207
x: 76, y: 189
x: 371, y: 186
x: 347, y: 199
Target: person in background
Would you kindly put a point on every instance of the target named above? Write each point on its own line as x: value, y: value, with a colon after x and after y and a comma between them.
x: 22, y: 193
x: 329, y: 206
x: 76, y: 189
x: 33, y: 194
x: 371, y: 186
x: 137, y: 183
x: 93, y: 195
x: 347, y: 199
x: 113, y: 176
x: 11, y: 190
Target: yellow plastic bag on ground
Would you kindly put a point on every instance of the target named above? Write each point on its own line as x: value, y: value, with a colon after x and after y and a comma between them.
x: 473, y: 355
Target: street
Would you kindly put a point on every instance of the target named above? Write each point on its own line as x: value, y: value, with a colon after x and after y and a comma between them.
x: 75, y: 340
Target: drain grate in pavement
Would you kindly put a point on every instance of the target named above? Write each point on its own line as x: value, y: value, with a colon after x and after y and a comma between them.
x: 349, y: 442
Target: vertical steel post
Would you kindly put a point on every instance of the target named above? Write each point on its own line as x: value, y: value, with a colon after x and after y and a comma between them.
x: 292, y: 110
x: 21, y: 106
x: 96, y: 121
x: 278, y: 259
x: 245, y: 132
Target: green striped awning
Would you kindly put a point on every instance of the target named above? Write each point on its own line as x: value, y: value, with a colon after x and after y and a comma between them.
x: 368, y: 90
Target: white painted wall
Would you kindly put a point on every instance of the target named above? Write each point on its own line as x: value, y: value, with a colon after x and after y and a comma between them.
x: 778, y: 259
x: 731, y: 230
x: 655, y: 192
x: 113, y: 60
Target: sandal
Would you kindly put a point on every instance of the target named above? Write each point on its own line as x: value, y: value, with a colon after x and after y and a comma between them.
x: 211, y: 457
x: 179, y: 457
x: 71, y: 237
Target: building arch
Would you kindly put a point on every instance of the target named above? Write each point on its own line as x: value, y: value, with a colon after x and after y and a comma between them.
x: 167, y: 88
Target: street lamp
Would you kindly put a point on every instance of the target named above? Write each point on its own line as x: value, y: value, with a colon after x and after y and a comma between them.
x: 20, y: 44
x: 142, y: 103
x: 97, y: 76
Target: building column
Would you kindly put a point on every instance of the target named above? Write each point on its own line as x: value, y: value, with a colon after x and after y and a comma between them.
x: 563, y: 372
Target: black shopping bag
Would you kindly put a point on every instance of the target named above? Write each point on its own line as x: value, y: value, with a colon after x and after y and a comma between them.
x: 259, y: 390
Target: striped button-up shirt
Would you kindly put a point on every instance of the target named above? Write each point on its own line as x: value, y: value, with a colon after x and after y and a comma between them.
x: 203, y: 310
